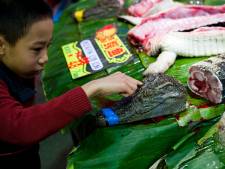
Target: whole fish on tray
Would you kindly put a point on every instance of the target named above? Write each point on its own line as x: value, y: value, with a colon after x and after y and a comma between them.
x: 159, y: 95
x: 207, y: 78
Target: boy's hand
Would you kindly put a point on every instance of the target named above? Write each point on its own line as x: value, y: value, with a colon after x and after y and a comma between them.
x: 114, y: 83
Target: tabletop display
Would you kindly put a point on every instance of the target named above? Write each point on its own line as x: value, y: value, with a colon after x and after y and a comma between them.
x: 177, y: 48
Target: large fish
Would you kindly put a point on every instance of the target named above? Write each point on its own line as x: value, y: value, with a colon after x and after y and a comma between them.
x: 159, y: 95
x: 207, y: 79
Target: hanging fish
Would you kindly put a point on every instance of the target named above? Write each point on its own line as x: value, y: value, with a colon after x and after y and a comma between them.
x: 159, y: 95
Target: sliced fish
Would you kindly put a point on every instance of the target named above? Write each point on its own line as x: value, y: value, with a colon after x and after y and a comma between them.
x: 207, y: 79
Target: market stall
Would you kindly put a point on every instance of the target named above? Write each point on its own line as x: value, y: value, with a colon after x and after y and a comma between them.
x: 188, y: 139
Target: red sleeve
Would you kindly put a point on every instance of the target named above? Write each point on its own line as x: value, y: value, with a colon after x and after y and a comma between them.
x: 20, y: 125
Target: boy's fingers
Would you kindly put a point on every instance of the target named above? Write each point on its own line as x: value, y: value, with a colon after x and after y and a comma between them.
x: 135, y: 81
x: 139, y: 82
x: 132, y: 86
x: 123, y: 75
x: 129, y: 89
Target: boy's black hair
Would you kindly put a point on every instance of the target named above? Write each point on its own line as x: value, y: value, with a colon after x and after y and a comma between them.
x: 17, y: 16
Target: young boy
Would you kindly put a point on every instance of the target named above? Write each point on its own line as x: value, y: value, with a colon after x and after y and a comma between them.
x: 25, y: 33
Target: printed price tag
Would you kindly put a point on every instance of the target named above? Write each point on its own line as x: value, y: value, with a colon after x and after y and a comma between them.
x: 76, y: 62
x: 111, y: 46
x: 95, y: 54
x: 91, y: 54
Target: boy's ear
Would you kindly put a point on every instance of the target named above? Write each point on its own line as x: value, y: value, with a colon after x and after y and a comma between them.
x: 2, y: 45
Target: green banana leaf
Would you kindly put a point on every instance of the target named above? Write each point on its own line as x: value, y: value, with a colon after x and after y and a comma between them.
x: 190, y: 155
x: 214, y: 2
x: 126, y: 146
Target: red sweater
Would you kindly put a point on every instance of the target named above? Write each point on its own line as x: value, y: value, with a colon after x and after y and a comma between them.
x: 24, y: 125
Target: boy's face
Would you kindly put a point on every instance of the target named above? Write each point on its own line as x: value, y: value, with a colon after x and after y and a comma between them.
x: 29, y: 55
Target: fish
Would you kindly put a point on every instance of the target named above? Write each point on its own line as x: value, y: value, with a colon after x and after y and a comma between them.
x: 204, y: 41
x: 207, y: 79
x: 159, y: 95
